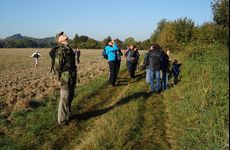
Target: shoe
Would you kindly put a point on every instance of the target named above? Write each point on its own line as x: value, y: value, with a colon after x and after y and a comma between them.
x: 158, y: 91
x: 63, y: 123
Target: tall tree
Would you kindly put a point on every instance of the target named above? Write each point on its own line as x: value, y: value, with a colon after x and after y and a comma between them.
x: 220, y: 10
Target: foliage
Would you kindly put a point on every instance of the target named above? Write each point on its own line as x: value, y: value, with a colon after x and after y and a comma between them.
x: 128, y: 41
x: 173, y: 34
x: 211, y: 33
x: 156, y: 33
x: 220, y: 10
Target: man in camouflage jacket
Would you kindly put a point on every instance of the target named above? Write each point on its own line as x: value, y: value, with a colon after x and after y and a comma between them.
x: 66, y: 69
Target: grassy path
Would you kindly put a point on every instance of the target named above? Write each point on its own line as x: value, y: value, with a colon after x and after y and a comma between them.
x: 123, y: 118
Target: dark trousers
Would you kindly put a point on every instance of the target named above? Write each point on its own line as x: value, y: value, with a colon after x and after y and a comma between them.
x: 132, y: 68
x: 113, y: 72
x: 118, y: 64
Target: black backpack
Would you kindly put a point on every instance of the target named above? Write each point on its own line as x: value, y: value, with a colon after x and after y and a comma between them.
x: 52, y: 54
x: 105, y: 56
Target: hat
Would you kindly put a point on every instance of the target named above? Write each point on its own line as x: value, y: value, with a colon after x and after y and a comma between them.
x: 58, y: 35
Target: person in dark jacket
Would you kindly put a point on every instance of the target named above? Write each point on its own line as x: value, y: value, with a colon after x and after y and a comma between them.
x: 154, y: 65
x: 77, y: 54
x: 111, y: 50
x: 165, y: 67
x: 119, y: 54
x: 132, y: 56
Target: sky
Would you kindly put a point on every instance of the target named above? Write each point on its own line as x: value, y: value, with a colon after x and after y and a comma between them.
x: 97, y: 19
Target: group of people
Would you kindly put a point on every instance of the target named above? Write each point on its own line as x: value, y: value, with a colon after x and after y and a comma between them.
x: 66, y: 58
x: 159, y: 68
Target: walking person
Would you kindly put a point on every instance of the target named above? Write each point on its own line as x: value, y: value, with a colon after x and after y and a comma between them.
x: 154, y: 64
x: 111, y: 50
x: 67, y: 73
x: 36, y: 55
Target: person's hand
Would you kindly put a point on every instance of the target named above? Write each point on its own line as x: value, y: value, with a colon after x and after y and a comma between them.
x: 59, y: 83
x: 112, y: 41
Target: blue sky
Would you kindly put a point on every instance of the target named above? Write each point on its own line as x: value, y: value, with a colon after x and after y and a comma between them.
x: 96, y: 18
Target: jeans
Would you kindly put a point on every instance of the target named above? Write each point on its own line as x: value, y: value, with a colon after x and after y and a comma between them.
x: 155, y: 75
x: 132, y: 68
x: 147, y: 76
x: 165, y: 80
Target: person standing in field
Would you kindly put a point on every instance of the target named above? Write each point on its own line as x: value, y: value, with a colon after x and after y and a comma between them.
x: 111, y: 50
x: 132, y: 56
x: 155, y: 54
x: 118, y: 64
x: 66, y: 69
x: 165, y: 67
x: 145, y: 66
x: 77, y: 55
x: 36, y: 55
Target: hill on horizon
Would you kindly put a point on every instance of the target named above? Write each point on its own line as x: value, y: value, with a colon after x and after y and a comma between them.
x: 19, y: 36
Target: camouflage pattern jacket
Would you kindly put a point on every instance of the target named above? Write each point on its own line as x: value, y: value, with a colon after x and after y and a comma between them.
x: 65, y: 65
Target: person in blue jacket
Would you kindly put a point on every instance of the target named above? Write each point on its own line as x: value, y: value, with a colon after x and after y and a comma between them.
x: 111, y: 50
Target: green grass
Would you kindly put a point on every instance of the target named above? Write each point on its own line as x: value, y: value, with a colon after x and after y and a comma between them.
x: 198, y: 107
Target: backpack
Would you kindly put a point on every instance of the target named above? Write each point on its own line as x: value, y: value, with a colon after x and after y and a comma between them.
x: 52, y: 54
x: 105, y: 56
x: 35, y: 55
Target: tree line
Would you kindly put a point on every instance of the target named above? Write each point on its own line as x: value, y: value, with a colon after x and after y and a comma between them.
x: 169, y: 34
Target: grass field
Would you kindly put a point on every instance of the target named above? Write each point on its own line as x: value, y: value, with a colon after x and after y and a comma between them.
x: 192, y: 115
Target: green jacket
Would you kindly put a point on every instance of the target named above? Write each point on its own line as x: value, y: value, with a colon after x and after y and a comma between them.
x: 65, y: 65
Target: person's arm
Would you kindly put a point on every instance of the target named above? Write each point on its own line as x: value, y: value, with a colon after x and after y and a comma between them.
x: 32, y: 55
x: 113, y: 48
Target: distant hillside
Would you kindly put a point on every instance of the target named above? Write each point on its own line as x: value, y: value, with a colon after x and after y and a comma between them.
x: 20, y: 37
x: 20, y: 41
x: 16, y: 37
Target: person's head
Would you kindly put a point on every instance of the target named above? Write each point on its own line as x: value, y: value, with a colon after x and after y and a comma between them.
x: 168, y: 52
x: 108, y: 41
x: 134, y: 47
x: 131, y: 47
x: 155, y: 46
x: 62, y: 38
